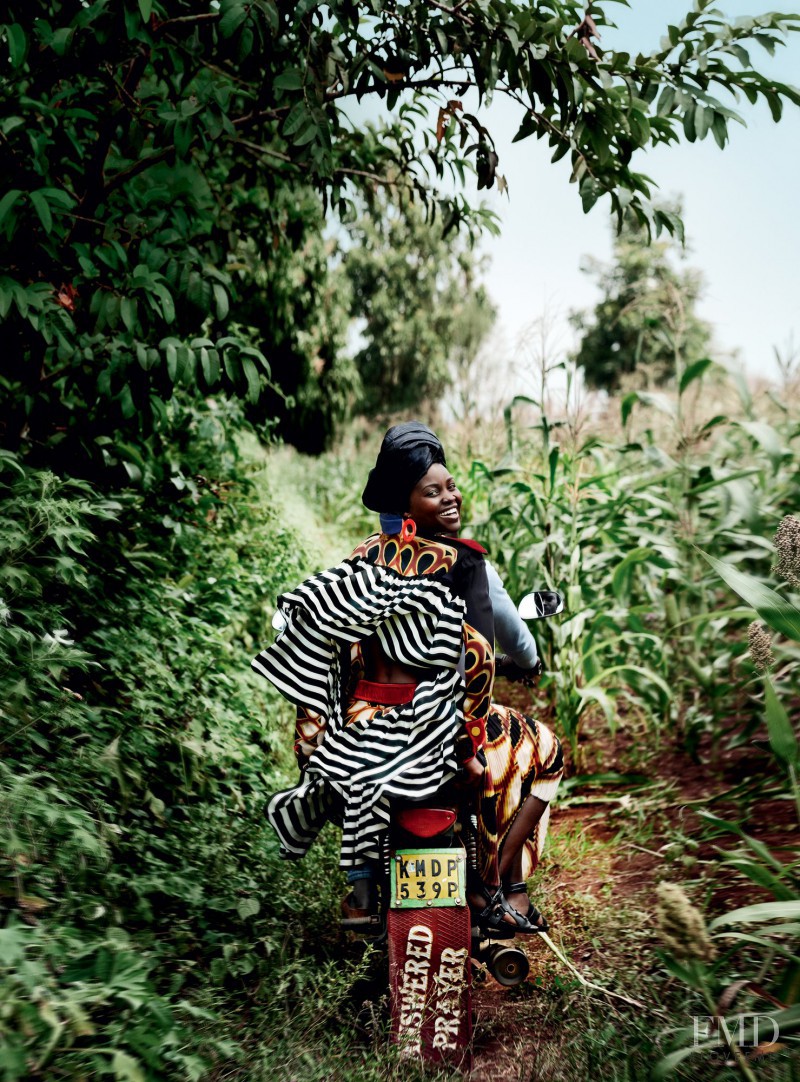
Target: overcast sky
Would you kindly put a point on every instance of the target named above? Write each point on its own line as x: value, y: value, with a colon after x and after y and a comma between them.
x: 740, y: 210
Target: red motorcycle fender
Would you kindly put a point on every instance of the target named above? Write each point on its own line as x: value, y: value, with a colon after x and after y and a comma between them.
x: 430, y: 983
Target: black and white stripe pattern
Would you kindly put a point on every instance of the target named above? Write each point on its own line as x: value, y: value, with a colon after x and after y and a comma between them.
x: 402, y: 751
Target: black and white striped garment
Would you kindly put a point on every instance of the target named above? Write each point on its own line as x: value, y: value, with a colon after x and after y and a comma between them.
x: 404, y: 751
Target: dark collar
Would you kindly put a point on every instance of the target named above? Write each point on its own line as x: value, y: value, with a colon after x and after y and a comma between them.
x: 446, y: 539
x: 470, y: 544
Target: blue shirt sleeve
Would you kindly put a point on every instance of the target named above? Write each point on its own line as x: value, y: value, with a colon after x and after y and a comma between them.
x: 510, y: 630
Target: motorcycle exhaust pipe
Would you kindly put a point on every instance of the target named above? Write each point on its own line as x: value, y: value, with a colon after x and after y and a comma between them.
x: 508, y: 965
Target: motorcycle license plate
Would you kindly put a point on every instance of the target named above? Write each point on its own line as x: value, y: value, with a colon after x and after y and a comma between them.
x: 428, y: 877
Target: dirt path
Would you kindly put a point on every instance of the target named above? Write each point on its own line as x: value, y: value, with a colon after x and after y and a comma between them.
x: 608, y: 849
x: 325, y: 542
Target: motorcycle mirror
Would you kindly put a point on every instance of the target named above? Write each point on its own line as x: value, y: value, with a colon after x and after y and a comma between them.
x: 279, y: 620
x: 540, y: 604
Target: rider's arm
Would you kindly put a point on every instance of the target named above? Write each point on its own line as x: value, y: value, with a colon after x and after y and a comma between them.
x: 509, y: 628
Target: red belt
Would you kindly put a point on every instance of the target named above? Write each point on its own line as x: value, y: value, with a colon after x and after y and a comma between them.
x: 384, y: 694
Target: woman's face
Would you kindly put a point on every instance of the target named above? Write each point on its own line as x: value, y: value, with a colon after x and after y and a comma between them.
x: 435, y: 502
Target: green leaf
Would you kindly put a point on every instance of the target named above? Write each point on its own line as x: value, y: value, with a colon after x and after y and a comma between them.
x: 7, y: 202
x: 185, y: 363
x: 253, y: 382
x: 633, y: 673
x: 621, y: 579
x: 17, y: 44
x: 628, y: 402
x: 513, y: 36
x: 719, y: 419
x: 590, y: 192
x: 725, y: 479
x: 766, y: 436
x: 172, y: 360
x: 759, y: 912
x: 690, y: 972
x: 20, y: 297
x: 640, y: 127
x: 58, y: 195
x: 149, y: 358
x: 167, y: 303
x: 12, y: 945
x: 719, y: 129
x: 233, y: 367
x: 763, y: 878
x: 42, y: 208
x: 60, y: 41
x: 128, y: 312
x: 209, y: 359
x: 271, y: 12
x: 6, y: 297
x: 693, y: 372
x: 767, y: 944
x: 552, y: 460
x: 657, y: 402
x: 221, y: 299
x: 232, y: 20
x: 666, y: 1066
x: 307, y: 135
x: 248, y: 907
x: 298, y: 117
x: 775, y: 105
x: 770, y: 606
x: 703, y: 120
x: 126, y: 1068
x: 666, y: 101
x: 126, y: 403
x: 603, y: 699
x: 782, y: 739
x: 145, y: 8
x: 291, y: 79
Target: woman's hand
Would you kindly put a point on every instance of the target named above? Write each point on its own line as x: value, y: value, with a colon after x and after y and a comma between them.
x: 508, y: 668
x: 471, y: 774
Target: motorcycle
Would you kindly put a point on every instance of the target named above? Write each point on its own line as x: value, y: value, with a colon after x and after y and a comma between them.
x: 433, y: 945
x: 424, y: 918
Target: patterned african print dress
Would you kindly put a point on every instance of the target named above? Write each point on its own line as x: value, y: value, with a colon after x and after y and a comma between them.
x: 426, y: 603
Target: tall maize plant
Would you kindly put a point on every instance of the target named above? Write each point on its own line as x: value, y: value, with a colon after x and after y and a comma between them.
x: 620, y: 528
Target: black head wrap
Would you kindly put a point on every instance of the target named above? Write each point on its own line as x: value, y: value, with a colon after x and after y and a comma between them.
x: 407, y: 453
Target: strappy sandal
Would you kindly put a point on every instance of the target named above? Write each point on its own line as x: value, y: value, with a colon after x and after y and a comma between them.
x: 533, y: 918
x: 489, y: 920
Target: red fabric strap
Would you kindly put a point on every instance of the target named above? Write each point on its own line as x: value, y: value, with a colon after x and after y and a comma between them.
x: 470, y: 544
x: 476, y: 731
x: 384, y: 694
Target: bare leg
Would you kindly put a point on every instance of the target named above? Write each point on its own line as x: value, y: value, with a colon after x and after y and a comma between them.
x: 510, y: 865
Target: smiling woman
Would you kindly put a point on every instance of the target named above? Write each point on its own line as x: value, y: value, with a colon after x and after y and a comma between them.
x: 435, y: 502
x: 389, y: 658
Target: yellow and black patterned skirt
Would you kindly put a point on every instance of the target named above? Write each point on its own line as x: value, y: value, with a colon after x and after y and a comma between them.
x: 523, y: 758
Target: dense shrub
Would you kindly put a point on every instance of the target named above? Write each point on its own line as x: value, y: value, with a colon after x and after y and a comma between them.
x: 138, y: 752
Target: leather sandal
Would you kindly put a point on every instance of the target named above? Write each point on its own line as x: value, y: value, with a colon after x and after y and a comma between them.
x: 487, y: 922
x: 535, y: 920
